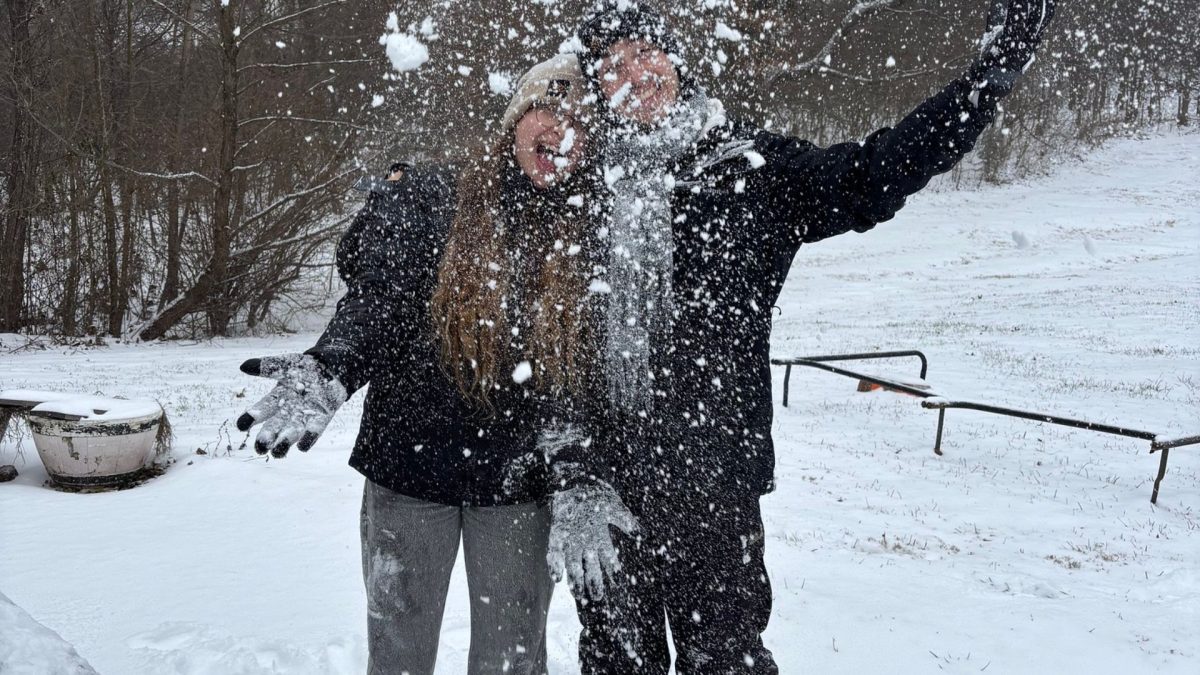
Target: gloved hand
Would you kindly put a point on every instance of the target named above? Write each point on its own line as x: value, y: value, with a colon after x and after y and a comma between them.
x: 297, y: 409
x: 580, y: 540
x: 1015, y: 28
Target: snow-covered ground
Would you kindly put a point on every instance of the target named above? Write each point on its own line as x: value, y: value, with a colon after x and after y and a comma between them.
x: 1026, y: 548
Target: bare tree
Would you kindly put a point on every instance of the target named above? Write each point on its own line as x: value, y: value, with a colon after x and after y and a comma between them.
x: 179, y: 167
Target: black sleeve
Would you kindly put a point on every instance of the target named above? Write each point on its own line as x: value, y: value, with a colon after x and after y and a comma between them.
x: 822, y: 192
x: 577, y: 445
x: 366, y: 330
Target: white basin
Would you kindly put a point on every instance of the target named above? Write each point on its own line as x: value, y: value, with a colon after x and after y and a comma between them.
x: 110, y: 446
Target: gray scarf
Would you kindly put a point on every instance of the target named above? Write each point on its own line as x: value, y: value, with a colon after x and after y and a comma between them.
x: 640, y: 248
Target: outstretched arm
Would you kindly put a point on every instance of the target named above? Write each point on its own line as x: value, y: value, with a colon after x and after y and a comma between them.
x: 373, y: 324
x: 367, y: 316
x: 853, y: 186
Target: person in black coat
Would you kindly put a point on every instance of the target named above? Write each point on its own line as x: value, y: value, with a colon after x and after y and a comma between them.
x: 437, y: 465
x: 706, y: 216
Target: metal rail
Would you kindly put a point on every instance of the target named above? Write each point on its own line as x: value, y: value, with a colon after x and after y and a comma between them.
x: 942, y: 405
x: 820, y: 363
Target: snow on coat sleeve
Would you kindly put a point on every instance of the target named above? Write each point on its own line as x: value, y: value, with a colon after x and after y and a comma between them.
x: 582, y: 444
x: 377, y: 319
x: 566, y: 438
x: 822, y: 192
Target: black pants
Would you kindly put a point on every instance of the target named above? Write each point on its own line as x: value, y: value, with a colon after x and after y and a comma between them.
x: 700, y: 568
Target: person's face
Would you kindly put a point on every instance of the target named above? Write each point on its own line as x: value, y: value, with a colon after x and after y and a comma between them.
x: 548, y: 145
x: 639, y: 81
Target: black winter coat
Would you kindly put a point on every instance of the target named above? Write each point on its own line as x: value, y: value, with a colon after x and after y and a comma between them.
x: 417, y: 437
x: 744, y: 202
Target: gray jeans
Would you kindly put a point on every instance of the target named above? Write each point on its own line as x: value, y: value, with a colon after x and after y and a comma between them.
x: 408, y: 550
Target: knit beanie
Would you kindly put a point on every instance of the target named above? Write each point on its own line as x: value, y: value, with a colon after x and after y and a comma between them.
x: 614, y: 20
x: 553, y: 82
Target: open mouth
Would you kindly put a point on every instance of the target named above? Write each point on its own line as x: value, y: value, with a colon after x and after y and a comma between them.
x: 549, y: 159
x: 646, y: 95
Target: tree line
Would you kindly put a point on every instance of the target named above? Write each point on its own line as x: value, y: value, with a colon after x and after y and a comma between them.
x: 180, y: 167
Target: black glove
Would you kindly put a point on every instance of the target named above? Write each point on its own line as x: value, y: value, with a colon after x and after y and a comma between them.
x: 1015, y: 28
x: 298, y: 409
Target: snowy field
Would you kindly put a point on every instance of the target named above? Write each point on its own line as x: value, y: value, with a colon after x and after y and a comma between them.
x: 1026, y: 548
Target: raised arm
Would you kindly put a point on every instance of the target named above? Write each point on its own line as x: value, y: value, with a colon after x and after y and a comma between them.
x: 853, y: 186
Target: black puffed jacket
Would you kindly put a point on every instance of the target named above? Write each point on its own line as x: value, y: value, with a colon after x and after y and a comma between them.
x: 417, y: 436
x: 744, y: 201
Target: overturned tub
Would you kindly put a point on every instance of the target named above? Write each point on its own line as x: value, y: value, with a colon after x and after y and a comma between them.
x: 96, y: 442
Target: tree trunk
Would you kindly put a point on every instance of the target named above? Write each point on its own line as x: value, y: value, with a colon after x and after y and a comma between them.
x: 112, y: 268
x: 128, y: 201
x: 1185, y: 94
x: 22, y: 171
x: 175, y: 222
x: 71, y: 286
x: 125, y: 139
x: 210, y: 292
x: 220, y: 310
x: 992, y: 150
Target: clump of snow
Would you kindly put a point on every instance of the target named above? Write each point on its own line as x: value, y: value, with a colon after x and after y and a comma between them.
x: 522, y: 372
x: 80, y: 405
x: 891, y: 62
x: 756, y: 160
x: 405, y: 51
x: 599, y: 286
x: 29, y: 648
x: 376, y: 101
x: 99, y: 408
x: 500, y: 83
x: 568, y: 141
x: 32, y: 396
x: 427, y: 28
x: 724, y: 32
x: 618, y: 98
x: 571, y: 45
x: 612, y: 174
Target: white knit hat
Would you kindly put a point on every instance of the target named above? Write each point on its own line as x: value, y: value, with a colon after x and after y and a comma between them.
x: 557, y: 80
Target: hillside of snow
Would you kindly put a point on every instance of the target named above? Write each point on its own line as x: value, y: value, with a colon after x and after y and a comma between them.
x: 1025, y: 548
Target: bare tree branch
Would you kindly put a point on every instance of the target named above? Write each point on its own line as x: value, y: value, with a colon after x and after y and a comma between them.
x: 822, y: 58
x: 305, y: 236
x: 190, y: 24
x: 287, y: 118
x: 305, y: 64
x: 295, y: 195
x: 905, y: 75
x: 80, y: 152
x: 288, y: 17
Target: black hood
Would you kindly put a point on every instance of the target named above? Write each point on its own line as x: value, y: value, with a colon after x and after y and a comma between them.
x: 611, y: 21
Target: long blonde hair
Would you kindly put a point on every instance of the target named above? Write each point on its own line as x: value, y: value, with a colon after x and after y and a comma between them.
x: 513, y: 282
